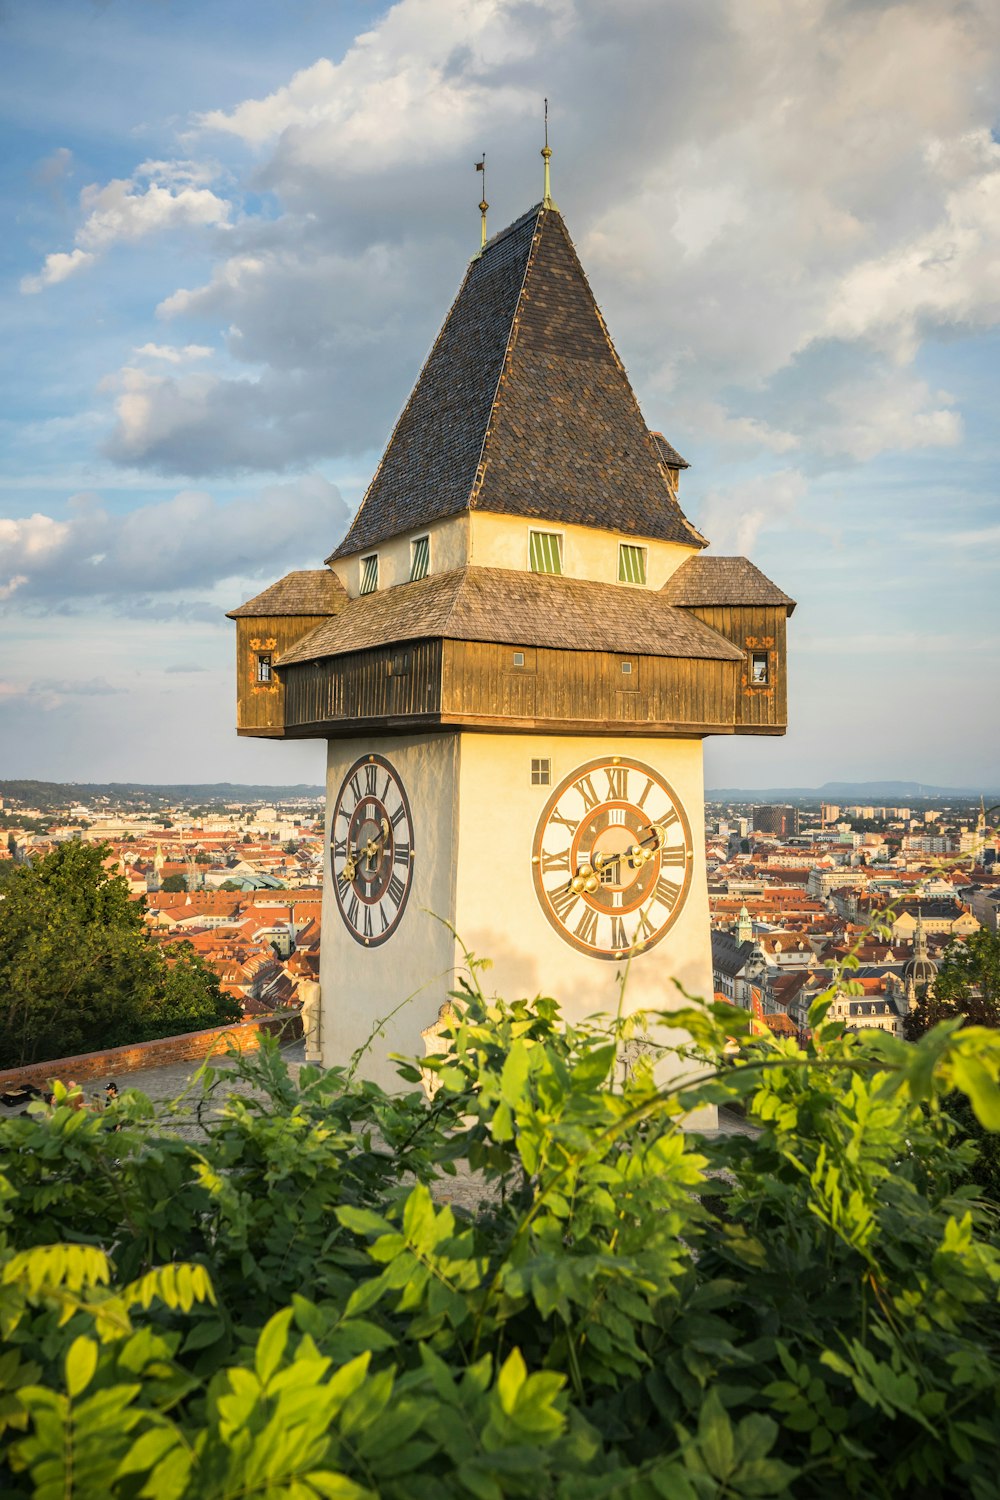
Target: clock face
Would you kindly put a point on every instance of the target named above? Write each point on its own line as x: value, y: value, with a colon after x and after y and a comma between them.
x: 612, y: 857
x: 371, y: 850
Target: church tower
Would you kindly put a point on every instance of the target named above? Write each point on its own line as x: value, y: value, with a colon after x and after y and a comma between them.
x: 514, y: 655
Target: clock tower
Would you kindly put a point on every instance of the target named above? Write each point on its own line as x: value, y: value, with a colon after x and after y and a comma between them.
x: 514, y: 655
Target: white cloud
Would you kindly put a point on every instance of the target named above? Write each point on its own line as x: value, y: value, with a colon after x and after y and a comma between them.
x: 56, y: 268
x: 125, y: 211
x: 735, y: 516
x: 189, y: 541
x: 173, y: 355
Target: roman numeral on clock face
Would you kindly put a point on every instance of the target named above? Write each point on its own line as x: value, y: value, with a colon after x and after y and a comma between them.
x: 554, y: 863
x: 666, y: 892
x: 396, y: 890
x: 371, y: 781
x: 586, y: 928
x: 587, y: 791
x: 617, y: 783
x: 673, y: 858
x: 562, y: 900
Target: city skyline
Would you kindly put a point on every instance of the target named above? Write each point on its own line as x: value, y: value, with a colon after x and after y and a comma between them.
x: 234, y: 235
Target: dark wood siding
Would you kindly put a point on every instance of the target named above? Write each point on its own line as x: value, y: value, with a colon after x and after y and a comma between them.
x: 260, y: 708
x: 756, y: 628
x: 388, y: 683
x: 582, y: 686
x: 470, y: 684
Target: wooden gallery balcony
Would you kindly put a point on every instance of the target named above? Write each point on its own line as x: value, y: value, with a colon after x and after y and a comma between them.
x: 484, y: 648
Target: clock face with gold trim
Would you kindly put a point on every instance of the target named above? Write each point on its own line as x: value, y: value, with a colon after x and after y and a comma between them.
x: 371, y: 850
x: 612, y: 856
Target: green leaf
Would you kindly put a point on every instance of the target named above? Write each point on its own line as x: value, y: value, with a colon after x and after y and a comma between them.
x: 271, y: 1344
x: 980, y: 1086
x: 81, y: 1362
x: 715, y: 1437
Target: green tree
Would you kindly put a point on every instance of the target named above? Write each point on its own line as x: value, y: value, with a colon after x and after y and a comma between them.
x: 79, y: 971
x: 967, y: 984
x: 174, y: 883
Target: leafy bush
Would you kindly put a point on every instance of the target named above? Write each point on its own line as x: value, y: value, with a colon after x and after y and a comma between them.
x: 285, y: 1307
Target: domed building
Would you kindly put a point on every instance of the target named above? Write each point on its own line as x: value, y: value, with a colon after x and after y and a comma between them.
x: 920, y: 970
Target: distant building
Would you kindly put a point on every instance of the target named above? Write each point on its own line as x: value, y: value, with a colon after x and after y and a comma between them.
x: 783, y: 821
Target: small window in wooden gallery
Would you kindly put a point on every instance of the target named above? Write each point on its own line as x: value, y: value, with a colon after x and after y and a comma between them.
x: 420, y: 558
x: 541, y: 772
x: 369, y: 573
x: 545, y: 552
x: 758, y: 668
x: 631, y: 563
x: 518, y: 658
x: 263, y: 666
x: 626, y: 669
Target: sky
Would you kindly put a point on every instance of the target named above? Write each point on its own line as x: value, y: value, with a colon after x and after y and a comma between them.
x: 233, y: 229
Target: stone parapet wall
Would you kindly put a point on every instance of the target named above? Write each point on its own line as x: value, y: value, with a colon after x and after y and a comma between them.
x: 190, y: 1047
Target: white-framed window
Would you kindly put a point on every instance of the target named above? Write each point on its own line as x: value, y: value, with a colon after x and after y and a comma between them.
x: 518, y: 659
x: 265, y: 666
x: 420, y: 558
x: 631, y: 563
x: 369, y: 573
x: 541, y: 771
x: 545, y: 551
x: 626, y: 669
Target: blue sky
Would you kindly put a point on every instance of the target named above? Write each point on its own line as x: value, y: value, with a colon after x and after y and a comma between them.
x: 234, y: 228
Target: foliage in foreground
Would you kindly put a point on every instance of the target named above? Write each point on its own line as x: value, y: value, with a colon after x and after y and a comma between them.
x: 282, y: 1307
x: 78, y: 970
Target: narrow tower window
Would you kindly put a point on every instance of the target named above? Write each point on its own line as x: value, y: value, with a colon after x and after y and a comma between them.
x: 263, y: 666
x: 545, y: 552
x: 759, y: 668
x: 420, y: 558
x: 631, y: 563
x: 541, y: 771
x: 369, y: 573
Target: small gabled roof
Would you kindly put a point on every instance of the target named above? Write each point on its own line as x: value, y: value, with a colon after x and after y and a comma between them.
x: 506, y: 607
x: 523, y: 408
x: 315, y: 591
x: 669, y: 453
x: 722, y: 580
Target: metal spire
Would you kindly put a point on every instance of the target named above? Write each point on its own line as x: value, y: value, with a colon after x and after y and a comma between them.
x: 483, y: 206
x: 546, y: 157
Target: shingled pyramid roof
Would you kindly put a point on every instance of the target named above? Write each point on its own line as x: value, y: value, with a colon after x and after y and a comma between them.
x: 523, y: 408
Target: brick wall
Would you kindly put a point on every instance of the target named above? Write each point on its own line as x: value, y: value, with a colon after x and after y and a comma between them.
x: 192, y: 1046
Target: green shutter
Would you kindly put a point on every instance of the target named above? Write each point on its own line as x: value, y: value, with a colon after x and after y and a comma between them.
x: 369, y: 574
x: 545, y: 552
x: 631, y: 564
x: 421, y: 558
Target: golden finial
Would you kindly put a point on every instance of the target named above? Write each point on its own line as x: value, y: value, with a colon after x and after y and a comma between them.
x: 547, y: 157
x: 483, y: 206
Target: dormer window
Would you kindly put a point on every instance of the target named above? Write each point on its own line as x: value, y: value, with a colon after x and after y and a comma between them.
x: 631, y: 564
x: 420, y: 558
x: 545, y: 552
x: 369, y: 573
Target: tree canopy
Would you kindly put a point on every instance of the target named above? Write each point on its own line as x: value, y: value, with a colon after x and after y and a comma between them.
x: 967, y: 984
x: 78, y: 970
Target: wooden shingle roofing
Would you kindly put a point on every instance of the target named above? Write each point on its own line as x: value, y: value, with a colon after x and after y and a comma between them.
x: 315, y: 591
x: 523, y: 408
x: 721, y: 581
x: 519, y: 609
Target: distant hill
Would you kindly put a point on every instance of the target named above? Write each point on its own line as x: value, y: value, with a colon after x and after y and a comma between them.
x: 49, y: 796
x: 847, y: 791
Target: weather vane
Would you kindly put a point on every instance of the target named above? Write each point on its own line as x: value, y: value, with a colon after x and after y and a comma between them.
x: 546, y: 157
x: 483, y: 205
